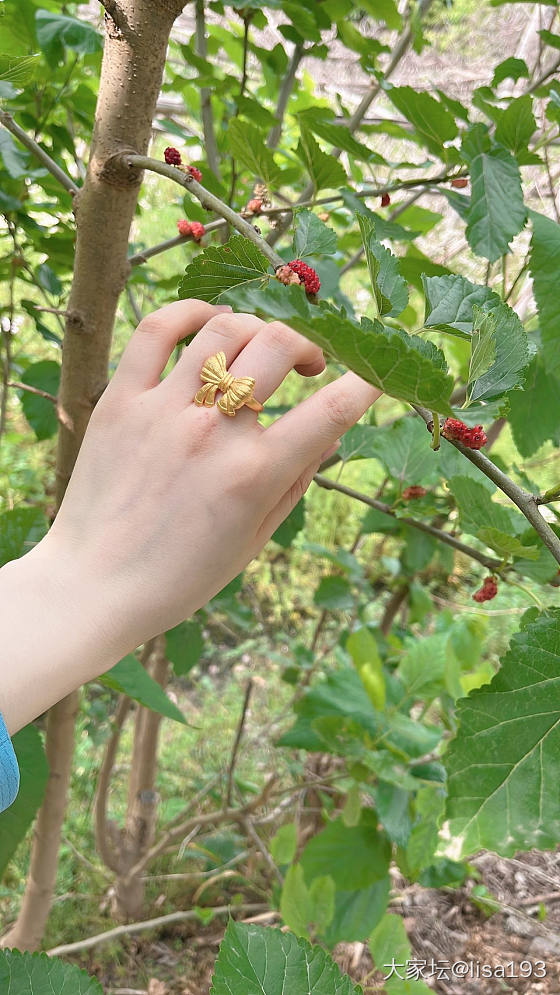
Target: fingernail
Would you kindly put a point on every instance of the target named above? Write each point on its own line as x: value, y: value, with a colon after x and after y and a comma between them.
x: 222, y: 307
x: 330, y: 451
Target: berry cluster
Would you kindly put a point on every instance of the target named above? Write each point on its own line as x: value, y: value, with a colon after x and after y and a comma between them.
x: 488, y: 590
x: 192, y: 228
x: 173, y: 158
x: 286, y: 276
x: 414, y: 491
x: 307, y: 276
x: 254, y: 206
x: 457, y: 431
x: 385, y: 200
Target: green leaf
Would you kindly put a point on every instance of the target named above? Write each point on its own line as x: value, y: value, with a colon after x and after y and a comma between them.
x: 545, y: 266
x: 295, y: 902
x: 450, y: 300
x: 479, y: 511
x: 393, y: 809
x: 34, y: 772
x: 55, y: 31
x: 512, y: 356
x: 322, y: 894
x: 355, y: 857
x: 517, y: 124
x: 422, y: 668
x: 549, y: 38
x: 15, y: 159
x: 283, y: 844
x: 534, y: 412
x: 404, y: 449
x: 334, y: 594
x: 511, y: 68
x: 504, y: 763
x: 312, y: 237
x: 38, y: 974
x: 291, y: 526
x: 218, y: 268
x: 49, y: 280
x: 39, y: 411
x: 20, y: 529
x: 506, y: 545
x: 129, y: 677
x: 324, y: 170
x: 337, y: 135
x: 496, y: 212
x: 483, y: 346
x: 433, y: 124
x: 269, y: 962
x: 356, y: 913
x: 248, y: 145
x: 389, y: 288
x: 184, y: 645
x: 389, y: 945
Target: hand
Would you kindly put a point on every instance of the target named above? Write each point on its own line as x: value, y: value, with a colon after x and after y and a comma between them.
x: 169, y: 501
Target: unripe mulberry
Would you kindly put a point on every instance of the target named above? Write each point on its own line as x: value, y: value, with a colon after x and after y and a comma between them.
x: 456, y: 431
x: 323, y: 215
x: 307, y: 274
x: 414, y: 491
x: 172, y: 156
x: 197, y: 230
x: 460, y: 182
x: 488, y: 590
x: 184, y: 227
x: 385, y: 200
x: 195, y: 173
x: 254, y: 206
x: 286, y: 275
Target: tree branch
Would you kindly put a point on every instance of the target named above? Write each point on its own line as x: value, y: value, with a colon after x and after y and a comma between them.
x: 553, y: 494
x: 333, y: 485
x: 210, y: 144
x: 39, y: 153
x: 524, y: 500
x: 284, y: 95
x: 33, y: 390
x: 117, y: 15
x: 237, y: 741
x: 207, y: 199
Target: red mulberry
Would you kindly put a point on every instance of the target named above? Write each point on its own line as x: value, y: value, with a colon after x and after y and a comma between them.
x: 197, y: 230
x: 414, y: 491
x: 385, y: 200
x: 184, y: 227
x: 255, y: 206
x: 307, y: 274
x: 488, y: 590
x: 172, y: 156
x: 456, y: 431
x: 195, y: 173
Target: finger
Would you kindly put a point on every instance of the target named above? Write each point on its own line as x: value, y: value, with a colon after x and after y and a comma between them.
x: 272, y: 353
x: 228, y: 333
x: 150, y: 346
x: 287, y: 503
x: 299, y: 437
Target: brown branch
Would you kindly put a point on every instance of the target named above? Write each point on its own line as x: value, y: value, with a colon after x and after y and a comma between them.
x: 543, y: 78
x: 139, y: 927
x: 395, y: 601
x: 39, y: 153
x: 237, y: 742
x: 117, y: 15
x: 524, y: 500
x: 210, y: 145
x: 33, y: 390
x: 284, y: 95
x: 438, y: 534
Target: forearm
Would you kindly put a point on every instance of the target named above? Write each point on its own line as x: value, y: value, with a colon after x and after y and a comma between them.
x: 59, y: 629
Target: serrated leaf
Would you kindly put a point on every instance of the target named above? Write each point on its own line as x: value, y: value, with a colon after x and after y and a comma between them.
x: 295, y: 902
x: 479, y: 511
x: 534, y: 415
x: 324, y: 170
x: 270, y: 962
x: 507, y: 545
x: 517, y: 124
x: 545, y: 266
x: 328, y: 853
x: 450, y: 300
x: 496, y: 212
x: 248, y: 145
x: 57, y: 31
x: 512, y: 355
x: 312, y: 237
x: 337, y: 135
x: 432, y: 122
x: 389, y: 945
x: 504, y: 763
x: 389, y: 288
x: 334, y: 593
x: 129, y: 677
x: 184, y: 645
x: 483, y: 346
x: 218, y: 268
x: 34, y: 772
x: 404, y: 449
x: 37, y: 974
x: 15, y: 159
x: 356, y: 913
x: 511, y: 68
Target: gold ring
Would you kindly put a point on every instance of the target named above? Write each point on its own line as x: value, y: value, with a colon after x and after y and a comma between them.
x: 237, y: 391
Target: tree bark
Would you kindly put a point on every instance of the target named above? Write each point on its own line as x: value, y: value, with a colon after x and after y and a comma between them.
x: 131, y: 74
x: 139, y: 831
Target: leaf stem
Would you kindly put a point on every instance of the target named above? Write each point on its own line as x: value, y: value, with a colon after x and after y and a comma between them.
x: 435, y: 432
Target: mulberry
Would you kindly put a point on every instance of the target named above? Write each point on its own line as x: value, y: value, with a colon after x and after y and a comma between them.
x: 172, y: 156
x: 184, y: 227
x: 456, y: 431
x: 306, y: 274
x: 488, y: 590
x: 254, y: 206
x: 385, y: 200
x: 197, y: 230
x: 460, y: 182
x: 286, y: 275
x: 195, y: 173
x: 414, y: 491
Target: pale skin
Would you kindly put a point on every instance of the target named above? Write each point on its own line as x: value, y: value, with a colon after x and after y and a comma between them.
x: 167, y: 502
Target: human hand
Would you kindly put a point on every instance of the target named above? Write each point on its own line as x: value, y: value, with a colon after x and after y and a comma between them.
x: 169, y: 501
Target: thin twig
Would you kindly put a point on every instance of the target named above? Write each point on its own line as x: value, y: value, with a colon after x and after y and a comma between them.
x: 140, y: 927
x: 30, y: 143
x: 33, y: 390
x: 237, y: 742
x: 210, y: 145
x: 284, y: 96
x: 333, y: 485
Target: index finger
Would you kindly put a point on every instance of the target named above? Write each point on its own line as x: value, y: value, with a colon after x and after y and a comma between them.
x: 300, y: 436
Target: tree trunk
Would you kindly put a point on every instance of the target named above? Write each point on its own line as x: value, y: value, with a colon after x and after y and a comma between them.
x: 139, y: 831
x: 131, y: 74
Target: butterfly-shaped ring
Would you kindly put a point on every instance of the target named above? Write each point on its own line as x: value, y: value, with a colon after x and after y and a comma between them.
x: 237, y: 391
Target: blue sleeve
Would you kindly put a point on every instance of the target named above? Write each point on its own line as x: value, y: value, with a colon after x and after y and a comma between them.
x: 9, y: 770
